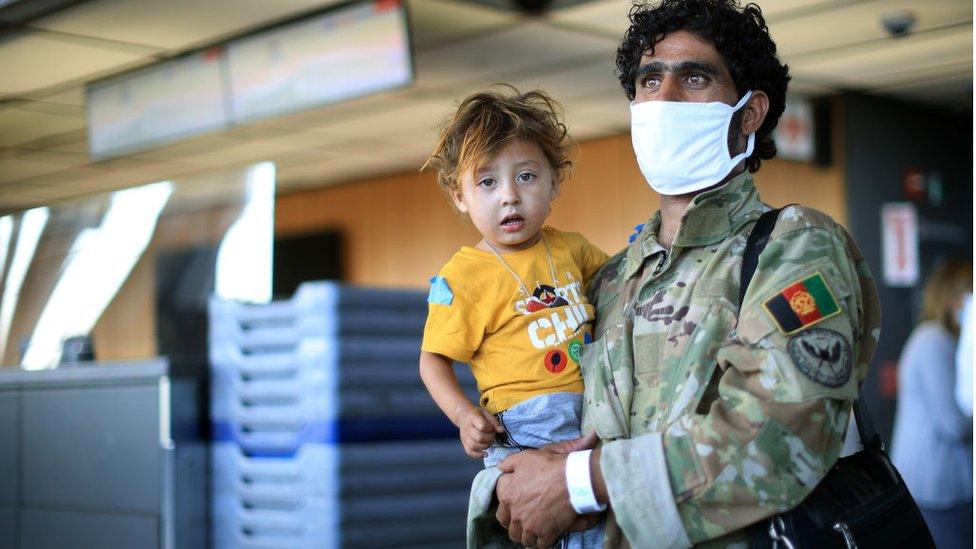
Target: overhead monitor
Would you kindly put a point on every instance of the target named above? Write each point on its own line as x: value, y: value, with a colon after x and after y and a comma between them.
x: 349, y: 52
x: 346, y: 52
x: 160, y: 104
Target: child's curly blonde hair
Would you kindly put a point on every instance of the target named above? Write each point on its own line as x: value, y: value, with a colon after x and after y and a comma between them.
x: 485, y: 122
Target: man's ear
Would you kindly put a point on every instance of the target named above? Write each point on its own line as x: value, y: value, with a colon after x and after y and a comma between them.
x: 754, y: 112
x: 458, y: 199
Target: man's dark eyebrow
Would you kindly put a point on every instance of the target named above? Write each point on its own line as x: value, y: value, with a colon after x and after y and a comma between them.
x: 683, y: 66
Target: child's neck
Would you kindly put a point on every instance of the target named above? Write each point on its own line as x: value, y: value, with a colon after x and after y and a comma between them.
x: 484, y: 245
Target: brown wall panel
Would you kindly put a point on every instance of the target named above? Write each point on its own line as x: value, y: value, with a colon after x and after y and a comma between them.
x: 398, y: 230
x: 606, y: 195
x: 784, y: 182
x: 127, y: 328
x: 390, y: 227
x: 38, y: 285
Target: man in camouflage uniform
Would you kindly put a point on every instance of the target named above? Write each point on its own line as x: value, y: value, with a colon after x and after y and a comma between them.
x: 711, y: 417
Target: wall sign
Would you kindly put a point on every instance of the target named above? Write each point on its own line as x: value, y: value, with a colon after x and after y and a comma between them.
x: 899, y: 232
x: 794, y: 134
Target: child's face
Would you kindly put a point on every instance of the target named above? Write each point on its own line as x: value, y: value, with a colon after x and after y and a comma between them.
x: 508, y: 197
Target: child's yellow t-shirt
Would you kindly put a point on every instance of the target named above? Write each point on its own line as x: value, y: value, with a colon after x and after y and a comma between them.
x: 518, y: 346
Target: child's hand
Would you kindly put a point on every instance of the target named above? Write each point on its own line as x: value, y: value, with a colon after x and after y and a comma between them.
x: 478, y: 427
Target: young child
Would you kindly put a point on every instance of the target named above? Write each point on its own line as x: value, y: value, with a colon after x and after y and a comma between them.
x: 513, y: 306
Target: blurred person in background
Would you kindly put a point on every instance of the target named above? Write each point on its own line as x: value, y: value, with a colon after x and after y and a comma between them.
x: 964, y: 358
x: 932, y: 444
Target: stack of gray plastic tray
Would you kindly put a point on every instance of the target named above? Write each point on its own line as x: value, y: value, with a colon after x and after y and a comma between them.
x: 323, y: 434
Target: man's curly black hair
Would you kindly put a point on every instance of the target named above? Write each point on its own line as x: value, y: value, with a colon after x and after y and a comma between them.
x: 738, y: 33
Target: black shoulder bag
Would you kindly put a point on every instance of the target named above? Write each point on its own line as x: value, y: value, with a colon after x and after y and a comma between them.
x: 862, y: 501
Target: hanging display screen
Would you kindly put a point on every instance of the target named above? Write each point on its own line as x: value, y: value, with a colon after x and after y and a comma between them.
x: 161, y: 104
x: 351, y: 52
x: 344, y: 53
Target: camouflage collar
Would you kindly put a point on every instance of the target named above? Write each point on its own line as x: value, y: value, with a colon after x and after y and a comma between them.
x: 710, y: 218
x: 644, y: 246
x: 713, y: 215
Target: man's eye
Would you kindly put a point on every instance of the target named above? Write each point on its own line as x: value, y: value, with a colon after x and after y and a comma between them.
x: 526, y: 177
x: 697, y: 79
x: 651, y: 82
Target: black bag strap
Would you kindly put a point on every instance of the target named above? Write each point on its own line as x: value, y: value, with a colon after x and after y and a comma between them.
x: 870, y: 439
x: 755, y: 244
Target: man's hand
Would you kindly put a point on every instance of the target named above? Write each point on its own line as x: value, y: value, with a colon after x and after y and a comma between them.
x: 565, y: 448
x: 478, y: 427
x: 533, y: 501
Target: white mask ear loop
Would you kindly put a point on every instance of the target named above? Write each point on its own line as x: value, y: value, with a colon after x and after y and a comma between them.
x: 752, y: 136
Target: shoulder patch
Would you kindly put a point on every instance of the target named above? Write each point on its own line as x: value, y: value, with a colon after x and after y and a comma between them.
x: 637, y: 231
x: 822, y: 355
x: 801, y: 304
x: 440, y: 292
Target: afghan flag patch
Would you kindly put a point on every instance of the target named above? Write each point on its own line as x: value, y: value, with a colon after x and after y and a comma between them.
x: 803, y: 303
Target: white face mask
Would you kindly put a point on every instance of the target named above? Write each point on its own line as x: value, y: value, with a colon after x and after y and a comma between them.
x: 683, y: 147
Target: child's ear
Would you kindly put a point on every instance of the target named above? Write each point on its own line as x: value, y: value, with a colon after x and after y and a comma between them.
x: 459, y: 200
x: 558, y: 176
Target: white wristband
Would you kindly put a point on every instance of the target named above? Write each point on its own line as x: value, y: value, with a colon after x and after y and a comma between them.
x: 581, y: 495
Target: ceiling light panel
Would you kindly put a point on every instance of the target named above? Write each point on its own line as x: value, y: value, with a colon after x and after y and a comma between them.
x: 774, y: 10
x: 74, y: 97
x: 17, y: 196
x: 57, y: 158
x: 955, y: 90
x: 902, y: 60
x: 391, y: 127
x: 412, y: 151
x: 337, y: 170
x: 861, y: 22
x: 399, y: 119
x: 21, y: 126
x: 506, y: 54
x: 37, y: 60
x: 435, y: 22
x: 50, y: 108
x: 35, y: 191
x: 800, y: 86
x: 344, y: 110
x: 239, y: 153
x: 190, y: 147
x: 593, y: 79
x: 302, y: 143
x: 174, y: 24
x: 15, y: 169
x: 109, y: 180
x: 596, y: 117
x: 605, y: 16
x: 610, y: 16
x: 81, y: 177
x: 74, y: 146
x: 292, y: 175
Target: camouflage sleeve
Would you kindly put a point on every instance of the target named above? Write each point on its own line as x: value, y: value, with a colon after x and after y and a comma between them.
x: 780, y: 407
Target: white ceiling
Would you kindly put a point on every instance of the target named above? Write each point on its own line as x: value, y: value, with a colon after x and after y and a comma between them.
x: 830, y: 45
